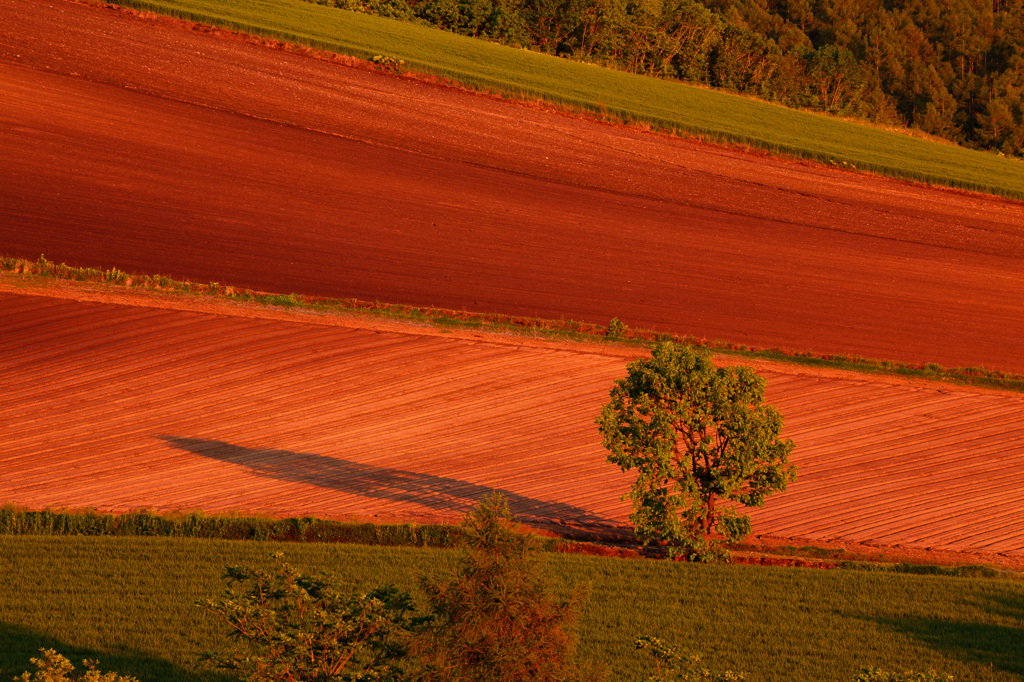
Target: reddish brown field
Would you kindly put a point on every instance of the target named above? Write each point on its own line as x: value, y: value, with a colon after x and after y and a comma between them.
x: 122, y: 406
x: 137, y: 143
x: 154, y: 147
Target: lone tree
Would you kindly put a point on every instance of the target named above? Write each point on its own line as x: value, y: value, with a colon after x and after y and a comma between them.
x: 701, y: 442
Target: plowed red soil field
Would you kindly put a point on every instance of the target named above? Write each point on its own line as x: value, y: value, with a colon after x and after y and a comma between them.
x: 143, y: 144
x: 122, y: 406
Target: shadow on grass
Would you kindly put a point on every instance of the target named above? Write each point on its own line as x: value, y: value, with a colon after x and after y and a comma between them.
x: 381, y: 483
x: 18, y: 645
x: 1008, y: 605
x: 996, y: 647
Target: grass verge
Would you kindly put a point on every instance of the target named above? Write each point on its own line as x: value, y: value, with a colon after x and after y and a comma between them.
x: 573, y: 330
x: 664, y: 105
x: 129, y: 602
x: 16, y: 521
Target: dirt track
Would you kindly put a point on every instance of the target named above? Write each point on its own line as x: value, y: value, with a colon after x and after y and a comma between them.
x: 296, y: 174
x: 129, y: 406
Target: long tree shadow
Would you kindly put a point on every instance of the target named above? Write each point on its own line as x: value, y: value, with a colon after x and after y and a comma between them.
x: 18, y: 645
x: 994, y: 646
x: 398, y: 485
x: 1007, y: 605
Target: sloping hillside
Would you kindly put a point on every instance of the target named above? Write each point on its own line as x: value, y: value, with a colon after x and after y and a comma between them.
x: 125, y: 406
x: 142, y: 144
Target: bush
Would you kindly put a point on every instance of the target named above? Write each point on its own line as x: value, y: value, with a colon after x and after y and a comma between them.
x: 495, y: 618
x: 15, y: 521
x: 389, y: 64
x: 876, y: 675
x: 617, y: 328
x: 671, y: 666
x: 297, y: 627
x: 52, y: 667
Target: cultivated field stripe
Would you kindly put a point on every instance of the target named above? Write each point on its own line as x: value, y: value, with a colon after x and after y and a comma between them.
x: 340, y: 182
x: 122, y: 407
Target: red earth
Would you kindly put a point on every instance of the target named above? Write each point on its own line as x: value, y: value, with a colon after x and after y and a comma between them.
x: 172, y: 403
x: 158, y: 147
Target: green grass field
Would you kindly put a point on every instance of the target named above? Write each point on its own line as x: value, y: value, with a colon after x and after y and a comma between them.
x: 663, y: 104
x: 129, y: 602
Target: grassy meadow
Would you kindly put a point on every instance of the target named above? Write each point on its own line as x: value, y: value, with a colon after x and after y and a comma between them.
x: 129, y: 602
x: 663, y: 104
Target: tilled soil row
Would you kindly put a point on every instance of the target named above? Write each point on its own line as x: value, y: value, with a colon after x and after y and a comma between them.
x: 127, y: 406
x: 140, y: 143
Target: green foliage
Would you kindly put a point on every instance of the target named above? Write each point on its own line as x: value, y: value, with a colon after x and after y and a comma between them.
x: 956, y: 74
x: 617, y: 328
x: 389, y: 64
x: 837, y: 78
x: 198, y: 525
x: 53, y: 667
x: 115, y: 276
x: 671, y: 666
x: 743, y: 61
x: 297, y: 627
x: 129, y: 602
x: 701, y: 442
x: 876, y: 675
x: 495, y: 619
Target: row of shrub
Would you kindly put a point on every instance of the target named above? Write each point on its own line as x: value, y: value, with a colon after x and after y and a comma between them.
x: 144, y: 523
x: 15, y: 521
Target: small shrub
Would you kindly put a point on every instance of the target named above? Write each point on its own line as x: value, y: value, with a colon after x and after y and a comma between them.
x: 115, y: 276
x: 285, y: 301
x: 876, y: 675
x: 671, y: 666
x: 297, y: 628
x: 389, y: 64
x: 616, y: 328
x: 53, y: 667
x: 495, y: 619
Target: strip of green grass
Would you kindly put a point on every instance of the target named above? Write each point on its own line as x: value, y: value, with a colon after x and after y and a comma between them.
x: 555, y: 329
x: 663, y: 104
x: 199, y: 525
x: 129, y: 602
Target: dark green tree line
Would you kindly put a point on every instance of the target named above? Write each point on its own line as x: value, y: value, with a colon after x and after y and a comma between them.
x: 950, y: 68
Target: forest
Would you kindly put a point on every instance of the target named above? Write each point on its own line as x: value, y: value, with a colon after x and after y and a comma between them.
x: 952, y: 69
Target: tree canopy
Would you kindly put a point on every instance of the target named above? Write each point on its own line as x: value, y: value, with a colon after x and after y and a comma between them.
x: 702, y: 444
